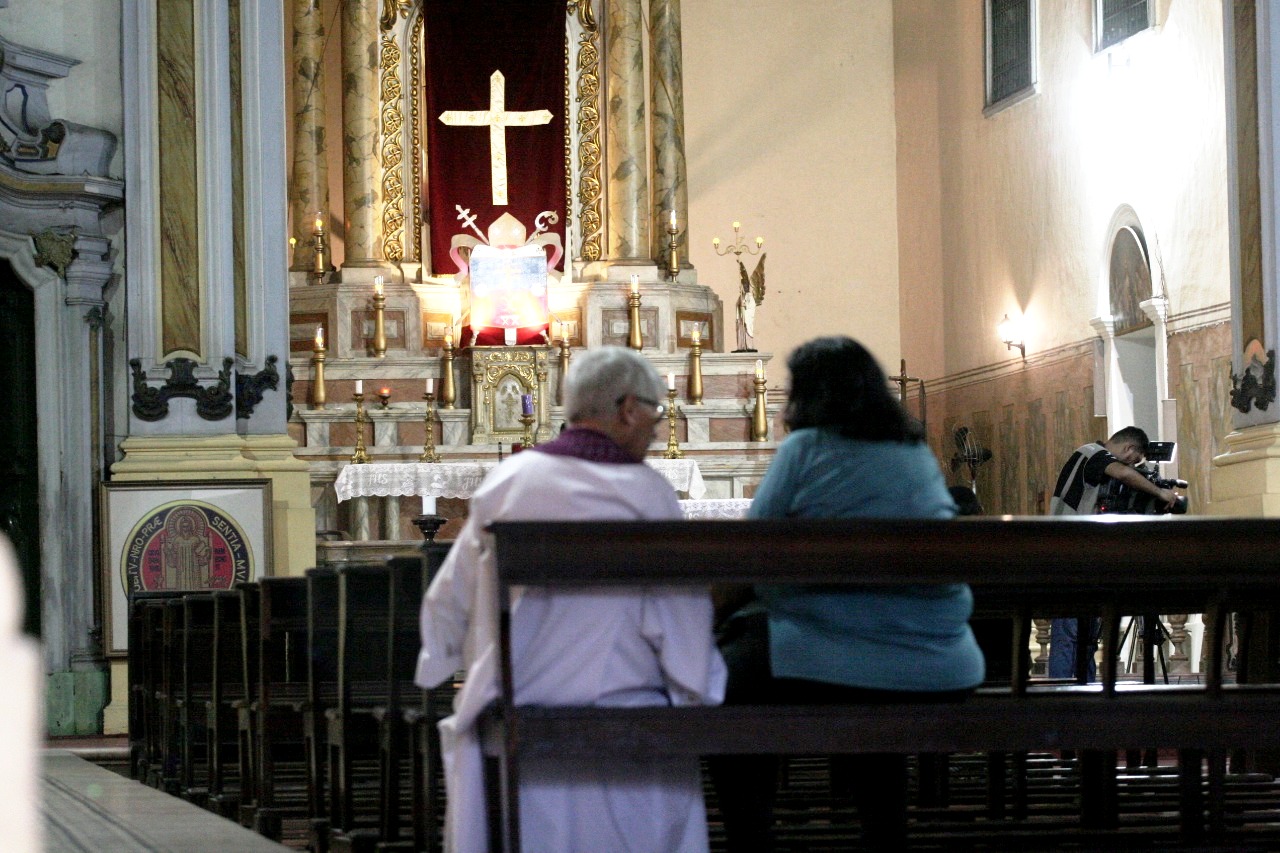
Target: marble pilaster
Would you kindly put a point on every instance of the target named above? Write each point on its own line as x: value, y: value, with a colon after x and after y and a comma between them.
x: 628, y: 194
x: 309, y: 188
x: 360, y: 175
x: 666, y: 100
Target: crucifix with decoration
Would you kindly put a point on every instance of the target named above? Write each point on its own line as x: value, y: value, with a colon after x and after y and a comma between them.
x: 497, y: 118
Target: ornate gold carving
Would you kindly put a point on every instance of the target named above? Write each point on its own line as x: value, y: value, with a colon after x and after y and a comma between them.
x: 392, y: 151
x: 415, y: 59
x: 590, y: 218
x: 389, y: 10
x: 55, y: 249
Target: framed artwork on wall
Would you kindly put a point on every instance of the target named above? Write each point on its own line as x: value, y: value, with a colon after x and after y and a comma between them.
x: 176, y: 535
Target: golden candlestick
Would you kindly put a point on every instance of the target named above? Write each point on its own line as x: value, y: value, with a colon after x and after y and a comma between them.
x: 429, y: 453
x: 673, y: 443
x: 564, y: 367
x: 526, y: 439
x: 673, y: 258
x: 379, y: 327
x: 317, y: 385
x: 360, y: 457
x: 446, y: 374
x: 695, y: 372
x: 759, y: 417
x: 634, y: 339
x: 320, y: 266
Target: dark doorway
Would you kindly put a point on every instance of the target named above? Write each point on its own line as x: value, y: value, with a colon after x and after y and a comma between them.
x: 19, y: 468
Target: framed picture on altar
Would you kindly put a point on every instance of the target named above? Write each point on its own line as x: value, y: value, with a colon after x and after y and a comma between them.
x: 179, y: 535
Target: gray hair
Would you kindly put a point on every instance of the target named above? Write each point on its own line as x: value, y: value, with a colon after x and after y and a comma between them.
x: 600, y: 376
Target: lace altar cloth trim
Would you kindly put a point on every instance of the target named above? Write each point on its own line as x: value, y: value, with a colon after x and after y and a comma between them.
x: 461, y: 479
x: 725, y: 509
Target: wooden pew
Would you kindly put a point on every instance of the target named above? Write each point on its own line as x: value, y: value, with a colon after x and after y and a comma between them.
x: 197, y: 690
x: 228, y: 690
x: 250, y: 596
x: 146, y: 669
x: 1017, y: 567
x: 322, y: 693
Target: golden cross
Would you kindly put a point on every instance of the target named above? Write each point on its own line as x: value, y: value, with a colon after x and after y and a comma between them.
x: 498, y: 119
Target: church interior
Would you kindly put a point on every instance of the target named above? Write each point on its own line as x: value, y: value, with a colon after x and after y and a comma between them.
x: 292, y: 277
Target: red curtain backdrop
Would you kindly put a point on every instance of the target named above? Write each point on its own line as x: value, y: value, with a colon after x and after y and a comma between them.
x: 466, y: 41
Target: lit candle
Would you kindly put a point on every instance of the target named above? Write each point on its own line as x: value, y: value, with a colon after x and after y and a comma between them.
x: 673, y: 218
x: 319, y: 223
x: 759, y: 242
x: 359, y: 386
x: 759, y: 369
x: 737, y: 225
x: 715, y: 242
x: 293, y: 242
x: 431, y: 384
x: 671, y: 382
x: 377, y: 285
x: 448, y: 340
x: 526, y: 404
x: 635, y: 283
x: 384, y: 391
x: 319, y: 337
x: 697, y: 335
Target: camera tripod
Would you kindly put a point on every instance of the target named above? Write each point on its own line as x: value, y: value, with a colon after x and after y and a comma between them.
x: 1153, y: 635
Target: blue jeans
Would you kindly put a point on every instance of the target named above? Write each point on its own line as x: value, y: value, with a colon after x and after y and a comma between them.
x: 1062, y: 648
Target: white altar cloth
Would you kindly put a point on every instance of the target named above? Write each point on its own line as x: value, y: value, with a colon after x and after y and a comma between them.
x: 461, y: 479
x: 721, y: 508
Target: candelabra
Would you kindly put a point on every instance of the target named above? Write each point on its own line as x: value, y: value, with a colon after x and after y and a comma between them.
x: 759, y: 417
x: 673, y: 258
x: 320, y: 266
x: 564, y: 366
x: 446, y: 374
x: 379, y: 325
x: 673, y: 443
x: 695, y: 370
x: 738, y: 247
x: 360, y: 456
x: 526, y: 439
x: 634, y: 339
x: 317, y: 385
x: 429, y: 452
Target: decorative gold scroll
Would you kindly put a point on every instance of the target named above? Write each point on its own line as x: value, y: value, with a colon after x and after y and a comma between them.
x: 415, y: 98
x: 590, y: 196
x: 390, y: 96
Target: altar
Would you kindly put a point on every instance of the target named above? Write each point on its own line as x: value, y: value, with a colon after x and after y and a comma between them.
x: 432, y: 480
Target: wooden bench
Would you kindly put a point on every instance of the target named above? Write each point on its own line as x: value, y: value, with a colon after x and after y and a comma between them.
x: 1018, y: 567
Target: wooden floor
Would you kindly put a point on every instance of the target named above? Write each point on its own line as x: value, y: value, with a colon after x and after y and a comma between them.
x: 89, y: 809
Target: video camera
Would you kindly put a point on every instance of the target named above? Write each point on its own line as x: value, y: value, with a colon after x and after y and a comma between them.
x: 1117, y: 498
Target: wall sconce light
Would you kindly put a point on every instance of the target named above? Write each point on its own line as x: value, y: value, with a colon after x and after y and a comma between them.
x: 1010, y: 332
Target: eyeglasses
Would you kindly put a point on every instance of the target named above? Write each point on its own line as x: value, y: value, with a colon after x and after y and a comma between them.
x: 659, y: 409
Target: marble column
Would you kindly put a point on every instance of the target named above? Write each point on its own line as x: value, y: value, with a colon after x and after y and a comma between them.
x: 628, y: 220
x: 666, y: 99
x: 360, y: 173
x: 309, y: 187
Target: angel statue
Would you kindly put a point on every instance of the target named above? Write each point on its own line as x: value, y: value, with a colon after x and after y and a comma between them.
x: 751, y: 296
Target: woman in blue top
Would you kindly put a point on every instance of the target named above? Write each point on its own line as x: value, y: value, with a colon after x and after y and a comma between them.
x: 853, y: 452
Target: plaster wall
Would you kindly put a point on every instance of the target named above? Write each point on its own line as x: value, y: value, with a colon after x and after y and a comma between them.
x: 789, y: 116
x: 86, y: 30
x: 1010, y: 213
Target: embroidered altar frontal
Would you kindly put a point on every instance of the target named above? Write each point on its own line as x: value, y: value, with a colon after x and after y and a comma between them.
x: 495, y: 88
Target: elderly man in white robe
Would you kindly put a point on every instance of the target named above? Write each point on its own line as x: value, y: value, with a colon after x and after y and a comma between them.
x: 613, y: 648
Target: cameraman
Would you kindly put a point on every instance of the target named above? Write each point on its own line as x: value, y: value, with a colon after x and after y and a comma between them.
x: 1089, y: 470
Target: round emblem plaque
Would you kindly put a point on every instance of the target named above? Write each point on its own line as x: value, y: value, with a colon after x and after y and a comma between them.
x: 186, y: 545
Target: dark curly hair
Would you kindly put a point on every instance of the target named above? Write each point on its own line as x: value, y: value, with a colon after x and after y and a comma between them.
x: 837, y: 384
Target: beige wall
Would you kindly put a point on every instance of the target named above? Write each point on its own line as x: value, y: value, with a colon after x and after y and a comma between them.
x: 790, y: 129
x: 1011, y: 213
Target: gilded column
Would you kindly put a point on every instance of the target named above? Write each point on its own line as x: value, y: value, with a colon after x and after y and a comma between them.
x: 309, y: 187
x: 360, y: 174
x: 628, y: 195
x: 666, y: 86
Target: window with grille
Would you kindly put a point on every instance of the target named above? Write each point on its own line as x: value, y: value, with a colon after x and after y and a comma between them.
x: 1116, y: 20
x: 1011, y: 66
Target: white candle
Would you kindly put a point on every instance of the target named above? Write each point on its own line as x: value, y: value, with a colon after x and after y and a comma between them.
x: 448, y: 340
x: 671, y: 382
x: 673, y: 218
x: 697, y: 335
x: 377, y: 284
x: 431, y: 384
x: 319, y: 337
x: 359, y: 386
x: 635, y: 283
x: 319, y: 223
x: 759, y: 369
